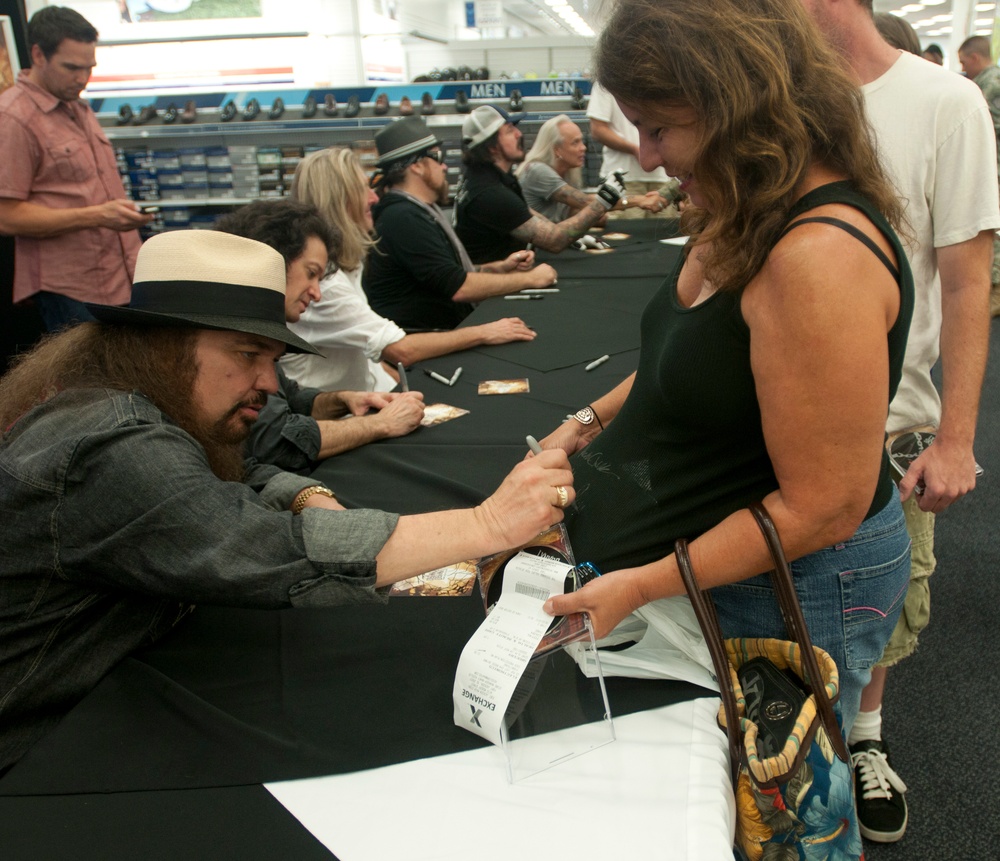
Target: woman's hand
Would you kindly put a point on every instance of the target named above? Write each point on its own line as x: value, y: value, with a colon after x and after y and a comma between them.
x: 651, y: 201
x: 528, y: 501
x: 570, y: 437
x: 607, y: 600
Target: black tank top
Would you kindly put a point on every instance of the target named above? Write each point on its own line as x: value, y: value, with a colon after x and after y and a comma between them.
x: 687, y: 448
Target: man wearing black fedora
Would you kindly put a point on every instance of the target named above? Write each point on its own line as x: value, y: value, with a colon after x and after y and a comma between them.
x: 491, y: 217
x: 421, y: 276
x: 125, y: 498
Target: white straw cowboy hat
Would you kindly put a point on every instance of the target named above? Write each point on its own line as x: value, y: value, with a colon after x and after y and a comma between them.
x: 207, y: 280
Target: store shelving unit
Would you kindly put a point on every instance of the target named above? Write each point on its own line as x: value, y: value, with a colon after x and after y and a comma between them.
x: 274, y: 147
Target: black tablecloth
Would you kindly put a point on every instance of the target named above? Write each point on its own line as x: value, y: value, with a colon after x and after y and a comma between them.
x: 283, y: 695
x: 639, y: 255
x: 164, y: 758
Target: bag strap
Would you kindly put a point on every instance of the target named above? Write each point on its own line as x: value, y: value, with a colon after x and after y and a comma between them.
x: 791, y: 612
x: 704, y: 611
x: 795, y: 622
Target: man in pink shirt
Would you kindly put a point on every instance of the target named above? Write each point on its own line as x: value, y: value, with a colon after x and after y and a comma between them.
x: 60, y: 192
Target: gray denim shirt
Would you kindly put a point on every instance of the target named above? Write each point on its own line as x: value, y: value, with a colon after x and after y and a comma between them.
x: 114, y: 525
x: 285, y: 433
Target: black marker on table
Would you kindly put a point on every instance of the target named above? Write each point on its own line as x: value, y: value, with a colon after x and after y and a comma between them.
x: 437, y: 377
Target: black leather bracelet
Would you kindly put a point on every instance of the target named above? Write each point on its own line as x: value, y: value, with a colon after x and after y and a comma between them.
x: 587, y: 416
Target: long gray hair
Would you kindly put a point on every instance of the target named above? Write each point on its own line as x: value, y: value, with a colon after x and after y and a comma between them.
x: 543, y: 149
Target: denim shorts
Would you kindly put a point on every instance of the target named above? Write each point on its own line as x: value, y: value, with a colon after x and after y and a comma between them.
x: 851, y: 595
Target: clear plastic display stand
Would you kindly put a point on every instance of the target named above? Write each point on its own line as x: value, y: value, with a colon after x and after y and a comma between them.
x: 557, y: 713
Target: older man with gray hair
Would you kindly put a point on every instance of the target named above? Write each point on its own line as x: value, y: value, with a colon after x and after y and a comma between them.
x: 491, y: 216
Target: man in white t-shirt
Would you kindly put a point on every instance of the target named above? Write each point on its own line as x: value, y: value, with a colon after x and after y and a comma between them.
x: 620, y: 139
x: 936, y: 139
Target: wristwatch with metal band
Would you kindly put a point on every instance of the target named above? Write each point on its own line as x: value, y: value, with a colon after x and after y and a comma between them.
x: 303, y: 495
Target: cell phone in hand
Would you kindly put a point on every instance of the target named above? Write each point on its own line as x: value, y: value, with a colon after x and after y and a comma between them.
x: 906, y: 447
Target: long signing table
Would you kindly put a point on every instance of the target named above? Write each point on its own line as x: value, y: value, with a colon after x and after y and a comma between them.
x: 348, y: 710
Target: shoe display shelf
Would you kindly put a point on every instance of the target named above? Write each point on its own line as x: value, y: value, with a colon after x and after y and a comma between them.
x: 187, y: 158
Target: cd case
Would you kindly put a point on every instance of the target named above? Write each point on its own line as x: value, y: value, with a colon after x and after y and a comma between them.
x: 906, y: 446
x: 553, y: 543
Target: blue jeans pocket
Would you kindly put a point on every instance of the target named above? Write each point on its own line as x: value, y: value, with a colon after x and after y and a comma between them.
x: 871, y: 601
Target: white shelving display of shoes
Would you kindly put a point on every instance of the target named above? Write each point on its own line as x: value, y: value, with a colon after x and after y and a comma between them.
x: 205, y: 163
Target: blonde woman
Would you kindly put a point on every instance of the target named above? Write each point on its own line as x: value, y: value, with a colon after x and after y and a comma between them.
x: 551, y: 175
x: 342, y: 325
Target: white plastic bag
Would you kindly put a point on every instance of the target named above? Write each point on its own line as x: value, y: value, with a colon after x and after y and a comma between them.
x: 668, y: 645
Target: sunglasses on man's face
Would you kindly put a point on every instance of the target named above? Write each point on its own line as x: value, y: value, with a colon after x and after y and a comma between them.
x: 435, y: 154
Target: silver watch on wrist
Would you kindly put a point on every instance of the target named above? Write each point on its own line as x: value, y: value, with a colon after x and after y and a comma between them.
x: 586, y: 416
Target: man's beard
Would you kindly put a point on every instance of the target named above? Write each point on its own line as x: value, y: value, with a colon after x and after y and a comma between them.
x: 223, y: 440
x: 443, y: 191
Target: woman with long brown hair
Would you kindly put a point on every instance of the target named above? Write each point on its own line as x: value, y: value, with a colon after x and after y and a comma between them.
x: 769, y: 356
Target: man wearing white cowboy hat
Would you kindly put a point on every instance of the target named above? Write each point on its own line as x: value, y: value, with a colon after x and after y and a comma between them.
x: 491, y: 217
x: 422, y: 277
x: 125, y: 498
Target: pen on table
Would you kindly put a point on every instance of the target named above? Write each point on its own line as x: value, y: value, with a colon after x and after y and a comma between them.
x: 404, y: 386
x: 437, y: 377
x: 523, y: 296
x: 455, y: 376
x: 533, y: 444
x: 597, y: 362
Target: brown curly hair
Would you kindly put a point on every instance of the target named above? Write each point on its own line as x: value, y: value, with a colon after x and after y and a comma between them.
x: 773, y: 98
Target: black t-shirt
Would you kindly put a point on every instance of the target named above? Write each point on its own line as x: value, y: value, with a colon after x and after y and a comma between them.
x: 412, y: 273
x: 687, y: 447
x: 488, y: 206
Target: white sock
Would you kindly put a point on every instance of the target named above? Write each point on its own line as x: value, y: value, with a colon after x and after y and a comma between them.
x: 867, y: 725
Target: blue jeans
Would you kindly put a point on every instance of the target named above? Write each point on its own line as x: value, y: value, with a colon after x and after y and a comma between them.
x: 60, y: 312
x: 851, y: 595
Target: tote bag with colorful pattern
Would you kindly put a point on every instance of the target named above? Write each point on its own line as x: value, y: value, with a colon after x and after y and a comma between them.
x: 795, y: 803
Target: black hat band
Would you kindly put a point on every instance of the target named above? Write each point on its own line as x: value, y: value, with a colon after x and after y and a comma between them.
x: 208, y: 298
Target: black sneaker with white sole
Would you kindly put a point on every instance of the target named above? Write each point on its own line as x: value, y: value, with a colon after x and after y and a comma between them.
x: 879, y: 793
